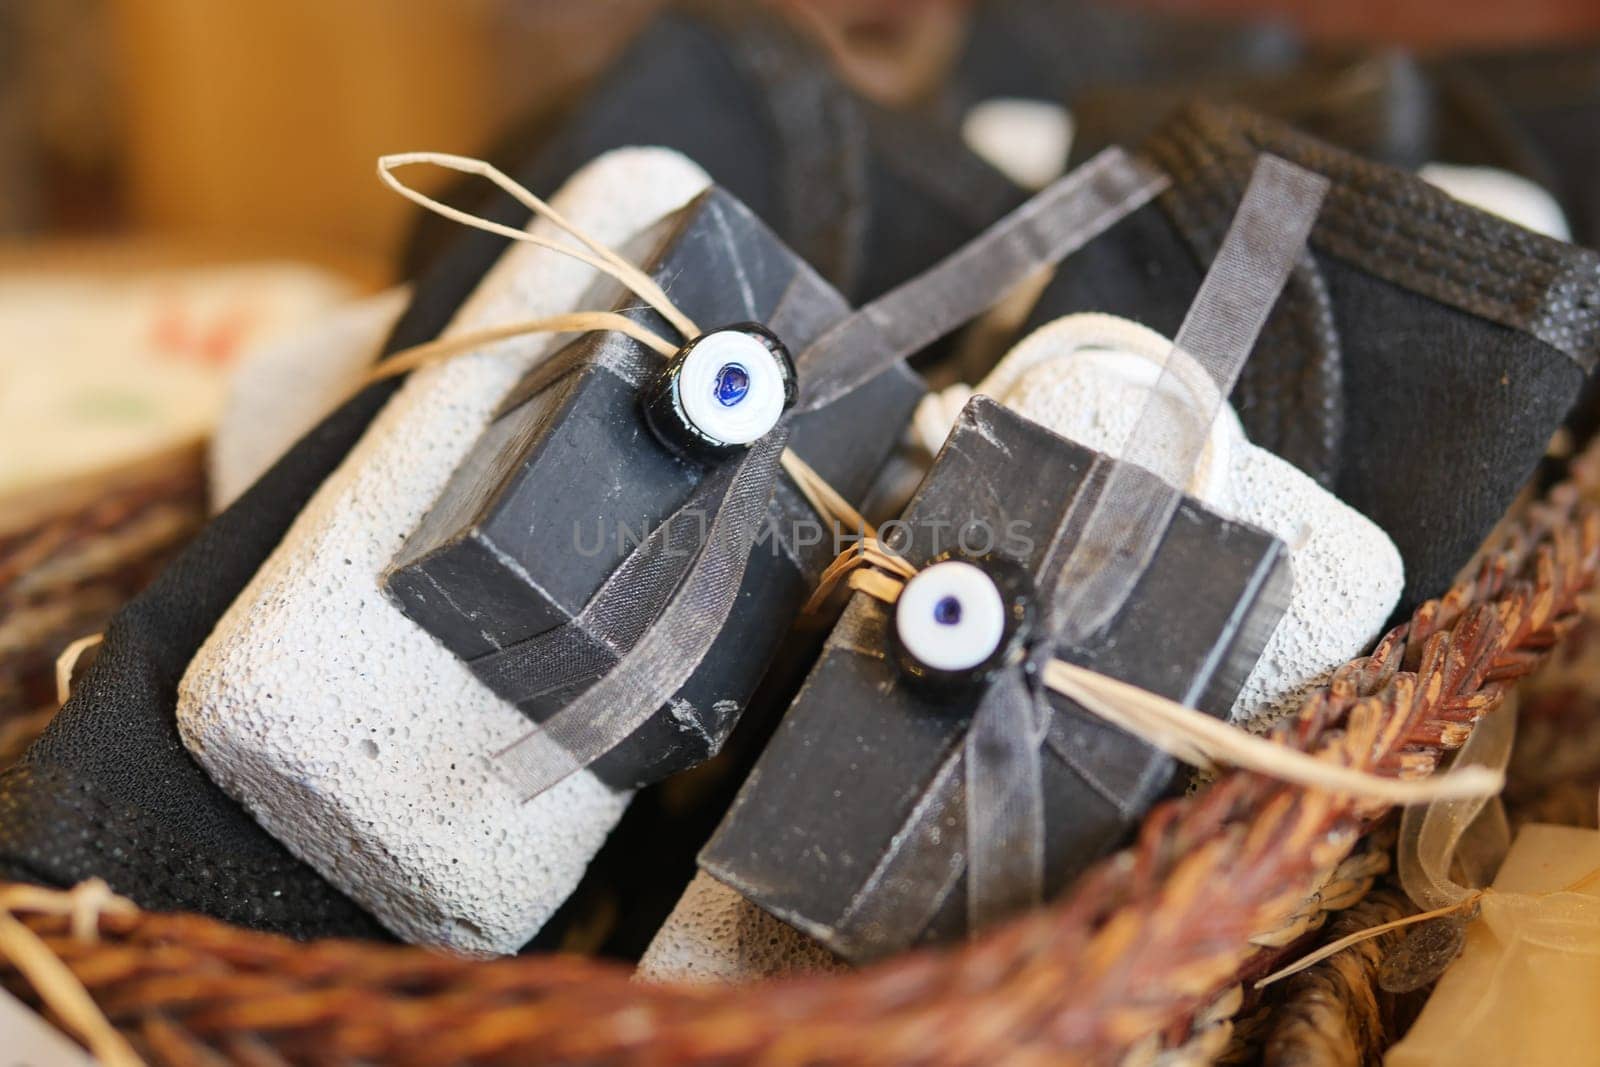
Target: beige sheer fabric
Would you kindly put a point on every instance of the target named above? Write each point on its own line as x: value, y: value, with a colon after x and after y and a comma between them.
x: 1525, y: 989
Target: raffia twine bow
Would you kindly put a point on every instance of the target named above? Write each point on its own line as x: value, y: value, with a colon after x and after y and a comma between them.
x: 58, y: 988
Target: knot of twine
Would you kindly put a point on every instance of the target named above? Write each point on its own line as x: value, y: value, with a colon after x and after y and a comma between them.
x: 1467, y: 904
x: 1182, y: 732
x: 58, y: 988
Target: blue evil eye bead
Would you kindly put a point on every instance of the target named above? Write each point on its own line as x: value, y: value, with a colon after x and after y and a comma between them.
x: 960, y: 620
x: 722, y: 392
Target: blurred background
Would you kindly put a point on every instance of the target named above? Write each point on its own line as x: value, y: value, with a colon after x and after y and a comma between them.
x: 181, y: 179
x: 145, y: 142
x: 250, y: 127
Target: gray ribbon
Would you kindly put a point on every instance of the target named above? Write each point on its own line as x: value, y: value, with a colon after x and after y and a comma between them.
x: 984, y: 810
x: 1057, y: 222
x: 1266, y: 237
x: 669, y: 649
x: 1005, y: 800
x: 616, y: 617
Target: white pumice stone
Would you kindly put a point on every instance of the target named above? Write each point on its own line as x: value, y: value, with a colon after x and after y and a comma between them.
x: 1499, y: 192
x: 1026, y: 140
x: 351, y: 734
x: 283, y: 387
x: 1087, y: 377
x: 716, y: 935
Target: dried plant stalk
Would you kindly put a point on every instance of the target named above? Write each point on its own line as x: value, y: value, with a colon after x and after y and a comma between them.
x: 1143, y: 955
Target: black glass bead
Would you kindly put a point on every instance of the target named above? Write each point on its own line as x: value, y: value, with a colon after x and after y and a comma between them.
x: 961, y: 621
x: 721, y: 392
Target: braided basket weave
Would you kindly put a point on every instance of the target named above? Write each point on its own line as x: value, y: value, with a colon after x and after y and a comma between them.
x: 1146, y: 960
x: 70, y: 557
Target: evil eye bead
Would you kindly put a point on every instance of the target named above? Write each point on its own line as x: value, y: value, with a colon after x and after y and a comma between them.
x: 960, y: 620
x: 722, y: 391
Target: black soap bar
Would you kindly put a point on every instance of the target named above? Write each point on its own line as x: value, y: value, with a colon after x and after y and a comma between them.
x: 858, y: 751
x: 569, y: 478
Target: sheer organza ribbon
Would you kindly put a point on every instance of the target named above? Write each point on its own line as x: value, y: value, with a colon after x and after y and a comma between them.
x: 653, y: 643
x: 1123, y: 528
x: 1124, y: 525
x: 1534, y: 948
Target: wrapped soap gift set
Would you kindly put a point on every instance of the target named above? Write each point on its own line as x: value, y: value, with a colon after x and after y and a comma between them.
x: 956, y: 621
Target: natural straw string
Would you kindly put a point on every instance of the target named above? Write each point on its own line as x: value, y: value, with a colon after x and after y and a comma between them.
x: 825, y: 498
x: 575, y: 322
x: 835, y: 510
x: 67, y: 663
x: 57, y: 986
x: 869, y: 559
x: 603, y: 259
x: 1200, y: 740
x: 1466, y: 902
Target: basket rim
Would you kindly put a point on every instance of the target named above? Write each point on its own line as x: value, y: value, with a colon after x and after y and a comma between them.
x: 1144, y: 953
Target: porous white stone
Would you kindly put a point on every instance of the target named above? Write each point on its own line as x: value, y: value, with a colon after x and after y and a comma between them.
x: 1026, y: 140
x: 1087, y: 377
x: 716, y: 935
x: 1499, y: 192
x: 284, y: 385
x: 348, y: 732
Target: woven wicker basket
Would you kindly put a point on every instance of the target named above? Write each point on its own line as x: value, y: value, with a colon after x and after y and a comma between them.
x: 71, y: 554
x: 1146, y: 960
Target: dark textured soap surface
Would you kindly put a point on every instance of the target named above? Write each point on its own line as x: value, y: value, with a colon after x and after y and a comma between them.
x: 569, y: 478
x: 857, y: 750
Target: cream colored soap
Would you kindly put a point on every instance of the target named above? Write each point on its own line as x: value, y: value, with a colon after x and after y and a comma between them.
x: 1525, y: 990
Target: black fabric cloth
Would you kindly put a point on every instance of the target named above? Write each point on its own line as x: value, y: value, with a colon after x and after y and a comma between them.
x: 1382, y: 106
x: 1540, y: 109
x: 109, y: 790
x: 1530, y: 112
x: 1058, y: 50
x: 1418, y: 361
x: 866, y: 196
x: 1533, y: 112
